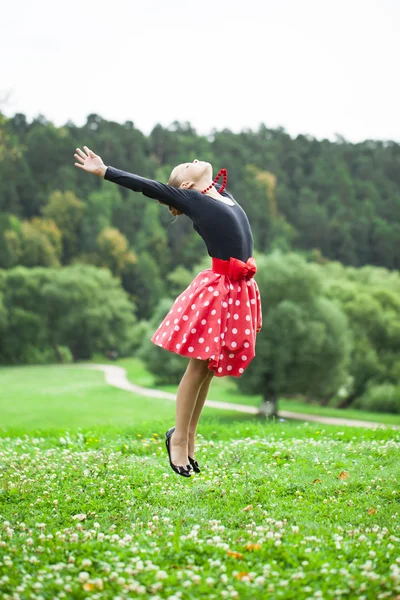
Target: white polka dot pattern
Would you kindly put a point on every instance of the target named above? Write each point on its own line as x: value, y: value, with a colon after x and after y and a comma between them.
x: 203, y: 327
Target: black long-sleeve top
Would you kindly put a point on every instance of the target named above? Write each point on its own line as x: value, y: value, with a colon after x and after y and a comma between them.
x: 225, y: 229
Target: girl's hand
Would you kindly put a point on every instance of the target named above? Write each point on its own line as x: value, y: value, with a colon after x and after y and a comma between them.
x: 90, y: 162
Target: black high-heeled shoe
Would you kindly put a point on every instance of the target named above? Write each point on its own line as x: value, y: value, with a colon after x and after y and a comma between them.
x: 185, y: 471
x: 194, y: 464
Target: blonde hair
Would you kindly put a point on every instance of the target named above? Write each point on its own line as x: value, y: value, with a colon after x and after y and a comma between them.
x: 174, y: 182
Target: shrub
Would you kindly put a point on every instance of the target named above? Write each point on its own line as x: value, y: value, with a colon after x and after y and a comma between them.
x: 380, y: 398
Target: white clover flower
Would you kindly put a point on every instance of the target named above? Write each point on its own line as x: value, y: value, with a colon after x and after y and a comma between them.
x: 83, y: 576
x: 299, y: 575
x: 86, y: 562
x: 161, y: 575
x: 79, y: 517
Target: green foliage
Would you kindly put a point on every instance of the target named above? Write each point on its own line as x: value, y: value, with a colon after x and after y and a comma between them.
x: 167, y: 367
x: 380, y: 398
x: 143, y: 281
x: 50, y: 230
x: 80, y: 307
x: 98, y: 215
x: 138, y: 334
x: 39, y: 244
x: 178, y: 280
x: 152, y: 237
x: 304, y: 343
x: 327, y: 200
x: 370, y: 299
x: 67, y: 211
x: 10, y: 228
x: 299, y: 194
x: 113, y: 251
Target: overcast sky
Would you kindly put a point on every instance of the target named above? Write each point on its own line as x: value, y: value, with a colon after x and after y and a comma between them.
x: 318, y: 67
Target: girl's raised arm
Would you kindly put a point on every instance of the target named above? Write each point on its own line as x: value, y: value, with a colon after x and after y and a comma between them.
x: 183, y: 200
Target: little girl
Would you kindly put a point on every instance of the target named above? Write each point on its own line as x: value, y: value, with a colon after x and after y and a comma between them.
x: 214, y: 321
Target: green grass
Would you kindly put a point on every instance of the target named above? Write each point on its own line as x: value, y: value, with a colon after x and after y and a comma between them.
x: 224, y: 389
x: 58, y: 397
x: 89, y: 507
x: 99, y: 514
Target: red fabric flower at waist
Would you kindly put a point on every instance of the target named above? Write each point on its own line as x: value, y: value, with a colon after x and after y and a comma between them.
x: 235, y: 268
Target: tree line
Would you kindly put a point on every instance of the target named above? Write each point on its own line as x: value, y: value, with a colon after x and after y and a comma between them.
x: 88, y: 266
x: 300, y: 194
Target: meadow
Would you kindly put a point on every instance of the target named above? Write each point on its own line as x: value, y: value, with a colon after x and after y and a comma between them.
x: 89, y: 507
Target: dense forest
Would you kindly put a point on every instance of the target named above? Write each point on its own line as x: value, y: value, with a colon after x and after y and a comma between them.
x: 315, y: 201
x: 301, y: 194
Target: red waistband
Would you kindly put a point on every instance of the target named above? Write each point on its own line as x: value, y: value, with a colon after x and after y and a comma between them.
x: 235, y: 268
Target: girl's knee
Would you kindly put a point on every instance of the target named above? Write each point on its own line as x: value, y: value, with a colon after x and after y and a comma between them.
x: 199, y: 367
x: 210, y: 373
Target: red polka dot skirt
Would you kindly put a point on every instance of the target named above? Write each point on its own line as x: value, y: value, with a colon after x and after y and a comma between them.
x: 216, y: 317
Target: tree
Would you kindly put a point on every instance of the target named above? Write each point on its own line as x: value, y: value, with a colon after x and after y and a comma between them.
x: 40, y: 244
x: 370, y: 299
x: 113, y: 251
x: 152, y: 238
x: 143, y: 281
x: 98, y: 215
x: 167, y: 367
x: 67, y: 211
x: 79, y: 307
x: 88, y: 311
x: 339, y: 198
x: 12, y: 167
x: 178, y: 280
x: 10, y: 233
x: 304, y: 344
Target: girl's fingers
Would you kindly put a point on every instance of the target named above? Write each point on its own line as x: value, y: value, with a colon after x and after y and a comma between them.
x: 89, y: 152
x: 81, y: 153
x: 79, y: 165
x: 79, y: 157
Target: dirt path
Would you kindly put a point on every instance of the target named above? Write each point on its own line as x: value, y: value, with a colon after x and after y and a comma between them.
x: 116, y: 376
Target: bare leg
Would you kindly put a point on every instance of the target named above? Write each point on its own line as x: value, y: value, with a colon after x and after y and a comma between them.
x: 201, y: 398
x: 188, y: 390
